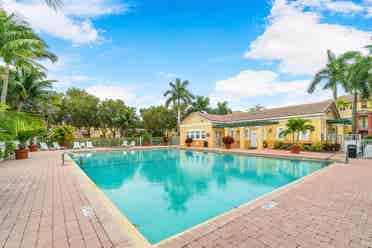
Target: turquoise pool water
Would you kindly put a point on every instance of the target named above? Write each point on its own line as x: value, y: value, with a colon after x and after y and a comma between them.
x: 164, y: 192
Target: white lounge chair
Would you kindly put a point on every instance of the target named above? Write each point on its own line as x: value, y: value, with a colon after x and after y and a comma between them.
x: 56, y: 146
x: 44, y: 146
x: 125, y: 143
x: 132, y: 143
x: 89, y: 145
x: 76, y: 145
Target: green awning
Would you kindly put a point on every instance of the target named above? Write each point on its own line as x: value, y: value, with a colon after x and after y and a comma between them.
x: 244, y: 124
x: 342, y: 121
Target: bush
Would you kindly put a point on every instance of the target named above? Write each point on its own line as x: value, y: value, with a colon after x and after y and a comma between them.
x: 228, y: 140
x: 278, y: 145
x: 317, y: 147
x: 64, y: 135
x: 188, y: 140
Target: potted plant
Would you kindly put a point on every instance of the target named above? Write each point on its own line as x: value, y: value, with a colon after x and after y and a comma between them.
x: 228, y: 141
x: 294, y: 127
x: 188, y: 141
x: 23, y: 136
x: 64, y: 135
x: 146, y: 139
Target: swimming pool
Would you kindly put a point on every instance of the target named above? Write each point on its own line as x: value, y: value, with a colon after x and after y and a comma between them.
x: 164, y: 192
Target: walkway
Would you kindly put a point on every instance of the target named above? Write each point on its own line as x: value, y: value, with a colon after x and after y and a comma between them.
x: 41, y: 205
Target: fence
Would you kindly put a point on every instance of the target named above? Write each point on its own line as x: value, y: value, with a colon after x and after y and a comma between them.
x: 116, y: 142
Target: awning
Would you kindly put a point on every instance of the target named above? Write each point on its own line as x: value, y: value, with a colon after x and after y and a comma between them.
x: 342, y: 121
x: 244, y: 124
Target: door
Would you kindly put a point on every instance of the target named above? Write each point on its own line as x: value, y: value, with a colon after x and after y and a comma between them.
x: 218, y: 138
x: 254, y: 139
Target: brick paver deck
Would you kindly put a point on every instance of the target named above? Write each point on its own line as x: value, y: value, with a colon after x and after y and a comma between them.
x: 41, y: 201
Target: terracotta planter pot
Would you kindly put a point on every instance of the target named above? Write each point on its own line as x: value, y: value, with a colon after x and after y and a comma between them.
x: 33, y: 148
x: 21, y: 154
x: 228, y: 146
x: 295, y: 149
x: 146, y: 143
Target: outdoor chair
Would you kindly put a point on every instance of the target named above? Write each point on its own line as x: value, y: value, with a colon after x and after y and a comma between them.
x: 44, y: 146
x: 76, y: 145
x: 89, y: 145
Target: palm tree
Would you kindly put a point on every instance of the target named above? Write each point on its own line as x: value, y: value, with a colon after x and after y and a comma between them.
x: 31, y: 85
x: 332, y: 74
x: 357, y: 80
x: 20, y: 47
x: 177, y: 96
x: 54, y: 3
x: 201, y: 104
x: 222, y: 108
x: 295, y: 126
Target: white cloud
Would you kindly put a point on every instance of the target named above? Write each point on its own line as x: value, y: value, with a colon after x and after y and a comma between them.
x: 128, y: 94
x: 298, y: 40
x: 345, y: 7
x: 252, y: 84
x: 168, y: 75
x: 73, y: 22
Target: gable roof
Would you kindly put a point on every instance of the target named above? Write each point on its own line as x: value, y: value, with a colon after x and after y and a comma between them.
x: 273, y: 113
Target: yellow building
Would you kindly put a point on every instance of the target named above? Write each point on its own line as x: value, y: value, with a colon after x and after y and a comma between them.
x: 364, y: 108
x: 261, y: 128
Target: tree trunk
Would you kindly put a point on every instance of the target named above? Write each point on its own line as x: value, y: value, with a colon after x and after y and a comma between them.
x: 178, y: 117
x: 334, y: 92
x: 355, y: 113
x: 20, y: 106
x: 4, y: 91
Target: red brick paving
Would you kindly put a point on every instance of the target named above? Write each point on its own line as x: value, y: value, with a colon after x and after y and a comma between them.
x: 41, y: 201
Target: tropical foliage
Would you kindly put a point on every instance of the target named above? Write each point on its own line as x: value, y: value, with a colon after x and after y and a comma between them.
x: 64, y: 135
x: 295, y: 126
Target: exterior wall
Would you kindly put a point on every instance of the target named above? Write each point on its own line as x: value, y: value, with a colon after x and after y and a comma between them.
x: 195, y: 122
x: 347, y: 112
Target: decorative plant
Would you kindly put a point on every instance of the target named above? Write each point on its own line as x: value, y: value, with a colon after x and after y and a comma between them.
x: 64, y: 135
x: 146, y: 139
x: 294, y: 127
x: 189, y: 140
x: 23, y: 136
x: 228, y: 140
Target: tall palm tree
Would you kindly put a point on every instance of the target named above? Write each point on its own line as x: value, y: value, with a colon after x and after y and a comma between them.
x: 222, y: 108
x: 331, y: 74
x: 20, y: 47
x: 200, y: 104
x: 357, y: 80
x: 31, y: 85
x: 178, y: 95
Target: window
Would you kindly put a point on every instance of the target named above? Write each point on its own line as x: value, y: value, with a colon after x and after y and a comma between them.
x: 202, y: 134
x: 305, y: 135
x: 363, y: 122
x: 279, y: 131
x: 232, y: 133
x: 247, y: 134
x: 364, y: 103
x: 197, y: 134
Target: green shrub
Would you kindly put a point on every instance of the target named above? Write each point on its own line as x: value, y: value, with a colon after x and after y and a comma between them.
x: 278, y: 145
x: 64, y: 135
x: 317, y: 147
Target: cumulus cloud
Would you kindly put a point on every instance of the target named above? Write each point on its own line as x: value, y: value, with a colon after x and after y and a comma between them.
x: 298, y: 40
x: 252, y: 84
x: 128, y: 94
x: 73, y: 22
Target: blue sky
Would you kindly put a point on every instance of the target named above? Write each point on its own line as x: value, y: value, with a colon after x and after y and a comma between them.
x: 246, y: 52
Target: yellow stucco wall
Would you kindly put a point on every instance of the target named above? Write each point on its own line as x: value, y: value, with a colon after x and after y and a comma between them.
x: 347, y: 111
x: 196, y: 122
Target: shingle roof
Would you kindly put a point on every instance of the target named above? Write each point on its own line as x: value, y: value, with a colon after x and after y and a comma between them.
x: 273, y: 113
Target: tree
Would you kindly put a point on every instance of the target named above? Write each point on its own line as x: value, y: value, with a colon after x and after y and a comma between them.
x: 332, y: 75
x: 158, y: 119
x: 20, y: 47
x: 222, y: 109
x: 295, y: 126
x: 200, y: 104
x: 177, y: 95
x: 31, y: 86
x: 357, y: 80
x: 80, y: 109
x: 257, y: 107
x: 51, y: 108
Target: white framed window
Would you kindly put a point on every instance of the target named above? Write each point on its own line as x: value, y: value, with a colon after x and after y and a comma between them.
x: 197, y: 134
x: 202, y: 134
x: 279, y: 136
x: 305, y: 135
x: 247, y: 133
x: 232, y: 133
